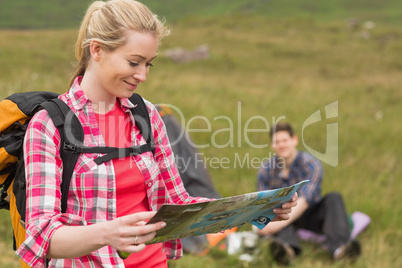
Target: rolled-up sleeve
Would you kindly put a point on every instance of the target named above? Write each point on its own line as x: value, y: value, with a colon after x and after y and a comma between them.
x: 43, y: 168
x: 313, y: 171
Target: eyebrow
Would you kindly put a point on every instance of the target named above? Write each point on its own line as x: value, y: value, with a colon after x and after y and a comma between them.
x: 142, y: 57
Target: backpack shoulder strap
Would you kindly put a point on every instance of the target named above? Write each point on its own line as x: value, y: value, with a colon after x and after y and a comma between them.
x: 72, y: 135
x: 141, y: 117
x: 63, y: 118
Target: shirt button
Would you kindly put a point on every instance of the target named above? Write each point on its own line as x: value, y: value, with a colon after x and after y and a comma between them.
x: 149, y: 184
x: 140, y: 162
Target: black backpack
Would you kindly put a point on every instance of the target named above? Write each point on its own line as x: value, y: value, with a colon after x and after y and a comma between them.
x: 16, y: 112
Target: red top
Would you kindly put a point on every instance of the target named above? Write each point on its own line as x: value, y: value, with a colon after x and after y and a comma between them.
x: 131, y: 195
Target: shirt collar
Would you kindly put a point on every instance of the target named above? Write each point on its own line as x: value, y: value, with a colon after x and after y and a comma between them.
x: 126, y: 103
x: 295, y: 161
x: 77, y: 95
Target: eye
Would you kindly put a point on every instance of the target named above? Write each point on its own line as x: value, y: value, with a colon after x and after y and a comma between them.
x: 133, y: 64
x: 149, y: 64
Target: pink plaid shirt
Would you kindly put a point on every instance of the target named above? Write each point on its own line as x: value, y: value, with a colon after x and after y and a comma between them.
x: 92, y: 193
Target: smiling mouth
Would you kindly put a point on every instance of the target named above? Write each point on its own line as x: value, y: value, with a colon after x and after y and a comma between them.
x: 134, y: 86
x: 282, y: 151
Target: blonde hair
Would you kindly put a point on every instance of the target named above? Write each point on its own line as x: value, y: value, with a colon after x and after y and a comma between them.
x: 106, y: 23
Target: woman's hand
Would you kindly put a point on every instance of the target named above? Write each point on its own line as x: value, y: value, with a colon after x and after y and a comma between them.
x: 130, y: 233
x: 127, y: 233
x: 283, y: 212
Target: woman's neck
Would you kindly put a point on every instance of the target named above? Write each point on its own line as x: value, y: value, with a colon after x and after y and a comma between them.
x: 102, y: 101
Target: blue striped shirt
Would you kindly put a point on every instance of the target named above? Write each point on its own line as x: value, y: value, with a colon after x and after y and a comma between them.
x: 304, y: 167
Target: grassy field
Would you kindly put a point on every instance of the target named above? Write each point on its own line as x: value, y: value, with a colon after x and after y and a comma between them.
x: 50, y: 14
x: 261, y: 70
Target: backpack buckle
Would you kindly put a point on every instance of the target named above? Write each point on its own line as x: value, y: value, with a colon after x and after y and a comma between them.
x: 70, y: 147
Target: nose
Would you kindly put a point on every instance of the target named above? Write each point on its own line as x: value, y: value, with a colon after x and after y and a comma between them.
x: 141, y: 75
x: 278, y: 144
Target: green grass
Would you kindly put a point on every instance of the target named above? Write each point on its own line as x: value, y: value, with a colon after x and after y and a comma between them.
x: 50, y: 14
x: 270, y: 67
x: 24, y: 14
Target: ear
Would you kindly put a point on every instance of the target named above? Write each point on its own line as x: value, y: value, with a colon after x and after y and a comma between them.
x: 296, y: 140
x: 96, y: 50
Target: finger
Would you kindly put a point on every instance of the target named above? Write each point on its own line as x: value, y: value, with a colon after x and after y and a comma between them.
x: 134, y: 248
x: 278, y: 211
x: 149, y: 228
x: 289, y: 204
x: 140, y: 223
x: 135, y: 240
x: 282, y: 217
x: 142, y: 239
x: 138, y: 217
x: 132, y: 231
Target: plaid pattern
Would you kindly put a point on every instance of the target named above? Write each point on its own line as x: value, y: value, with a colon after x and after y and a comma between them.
x: 305, y: 167
x: 92, y: 194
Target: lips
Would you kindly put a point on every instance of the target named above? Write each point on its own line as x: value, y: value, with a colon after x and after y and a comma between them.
x: 282, y: 151
x: 132, y: 86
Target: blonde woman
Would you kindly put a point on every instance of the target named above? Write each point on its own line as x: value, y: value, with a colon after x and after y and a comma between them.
x: 108, y: 204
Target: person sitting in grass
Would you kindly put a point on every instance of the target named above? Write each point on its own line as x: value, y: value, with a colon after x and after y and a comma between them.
x: 325, y: 215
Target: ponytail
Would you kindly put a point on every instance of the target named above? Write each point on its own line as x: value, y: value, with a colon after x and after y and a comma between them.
x: 82, y: 53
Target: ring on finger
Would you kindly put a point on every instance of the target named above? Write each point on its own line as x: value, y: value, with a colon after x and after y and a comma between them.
x: 135, y: 240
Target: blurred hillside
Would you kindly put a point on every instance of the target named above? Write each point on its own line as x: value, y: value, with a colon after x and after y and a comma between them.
x: 27, y: 14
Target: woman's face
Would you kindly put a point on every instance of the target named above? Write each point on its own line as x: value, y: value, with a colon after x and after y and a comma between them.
x: 120, y: 72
